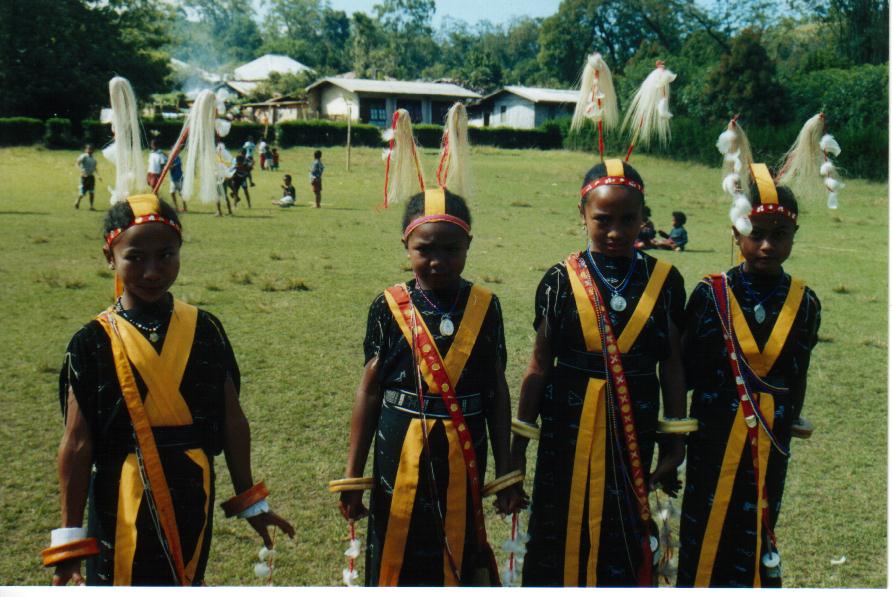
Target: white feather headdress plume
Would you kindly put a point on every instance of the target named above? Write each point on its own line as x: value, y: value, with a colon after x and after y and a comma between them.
x: 648, y: 114
x: 597, y: 98
x: 807, y: 165
x: 402, y: 177
x: 201, y: 157
x: 737, y: 155
x: 126, y: 150
x: 454, y: 170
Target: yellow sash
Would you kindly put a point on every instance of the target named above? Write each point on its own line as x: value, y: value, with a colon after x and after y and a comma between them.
x: 761, y: 362
x: 588, y: 463
x: 164, y: 406
x: 406, y: 486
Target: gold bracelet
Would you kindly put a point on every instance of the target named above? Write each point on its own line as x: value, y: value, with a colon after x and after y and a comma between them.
x: 351, y: 484
x: 73, y: 550
x: 686, y: 425
x: 241, y: 502
x: 524, y: 429
x: 802, y: 429
x: 497, y: 485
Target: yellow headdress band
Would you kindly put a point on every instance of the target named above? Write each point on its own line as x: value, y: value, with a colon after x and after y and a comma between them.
x: 434, y: 202
x: 765, y: 183
x: 435, y: 211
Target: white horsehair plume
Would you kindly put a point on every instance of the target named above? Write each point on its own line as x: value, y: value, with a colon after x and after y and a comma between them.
x: 648, y: 114
x: 403, y: 174
x: 596, y: 83
x: 454, y: 172
x: 829, y: 145
x: 130, y: 171
x: 201, y: 158
x: 802, y: 162
x: 737, y: 155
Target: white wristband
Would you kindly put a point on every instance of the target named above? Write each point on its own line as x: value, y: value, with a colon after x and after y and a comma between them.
x: 261, y: 507
x: 67, y: 535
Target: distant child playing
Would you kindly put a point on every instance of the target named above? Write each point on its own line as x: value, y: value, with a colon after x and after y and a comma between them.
x: 274, y: 159
x: 677, y: 237
x: 176, y: 182
x: 86, y: 163
x: 316, y: 176
x: 157, y: 159
x: 289, y: 194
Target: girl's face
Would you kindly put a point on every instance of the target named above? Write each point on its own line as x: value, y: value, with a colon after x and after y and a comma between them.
x: 147, y: 260
x: 437, y: 253
x: 612, y: 218
x: 769, y: 244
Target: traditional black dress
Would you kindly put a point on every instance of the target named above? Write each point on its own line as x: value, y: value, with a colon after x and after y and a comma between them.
x: 130, y: 551
x: 730, y: 546
x: 619, y: 549
x: 416, y: 554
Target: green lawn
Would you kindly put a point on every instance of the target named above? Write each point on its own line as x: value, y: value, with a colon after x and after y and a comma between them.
x: 293, y: 286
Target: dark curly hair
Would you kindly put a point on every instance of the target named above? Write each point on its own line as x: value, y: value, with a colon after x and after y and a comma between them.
x: 455, y: 206
x: 121, y: 214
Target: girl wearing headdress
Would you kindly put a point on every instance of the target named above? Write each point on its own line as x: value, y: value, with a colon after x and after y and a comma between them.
x: 607, y: 324
x: 149, y: 393
x: 747, y: 345
x: 433, y: 389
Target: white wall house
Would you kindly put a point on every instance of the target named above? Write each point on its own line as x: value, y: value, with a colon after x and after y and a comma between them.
x: 524, y: 107
x: 374, y: 102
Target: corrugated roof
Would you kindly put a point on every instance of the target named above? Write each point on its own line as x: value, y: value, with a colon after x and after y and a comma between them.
x: 260, y: 68
x: 397, y: 87
x: 540, y: 94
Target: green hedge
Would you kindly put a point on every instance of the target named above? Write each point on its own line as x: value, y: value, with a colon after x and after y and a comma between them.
x: 20, y: 131
x: 57, y: 134
x: 325, y: 133
x: 96, y: 132
x: 864, y: 154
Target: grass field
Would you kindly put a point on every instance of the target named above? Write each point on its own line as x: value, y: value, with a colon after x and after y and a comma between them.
x: 293, y: 286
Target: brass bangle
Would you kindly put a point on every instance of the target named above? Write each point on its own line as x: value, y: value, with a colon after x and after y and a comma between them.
x: 802, y: 429
x: 241, y: 502
x: 74, y: 550
x: 351, y: 484
x: 686, y: 425
x: 497, y: 485
x: 524, y: 429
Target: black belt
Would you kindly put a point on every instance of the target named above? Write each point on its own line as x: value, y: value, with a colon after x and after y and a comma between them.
x: 471, y: 404
x: 593, y: 363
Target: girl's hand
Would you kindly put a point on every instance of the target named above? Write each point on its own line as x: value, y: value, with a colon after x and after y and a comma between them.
x: 672, y: 454
x: 267, y: 519
x: 70, y: 570
x: 351, y: 505
x: 511, y: 500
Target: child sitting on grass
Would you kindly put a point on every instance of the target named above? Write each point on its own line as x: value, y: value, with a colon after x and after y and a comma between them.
x: 289, y: 194
x: 677, y: 237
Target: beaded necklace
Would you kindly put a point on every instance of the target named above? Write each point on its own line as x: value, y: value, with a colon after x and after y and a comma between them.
x: 617, y: 301
x: 153, y: 330
x: 447, y: 328
x: 758, y: 309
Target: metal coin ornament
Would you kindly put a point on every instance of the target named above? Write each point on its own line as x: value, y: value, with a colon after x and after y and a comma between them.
x: 154, y: 337
x: 618, y: 303
x: 447, y: 328
x: 759, y: 312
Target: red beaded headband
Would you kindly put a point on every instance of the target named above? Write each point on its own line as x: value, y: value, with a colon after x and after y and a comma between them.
x: 147, y: 219
x: 612, y: 180
x: 773, y: 208
x: 435, y: 218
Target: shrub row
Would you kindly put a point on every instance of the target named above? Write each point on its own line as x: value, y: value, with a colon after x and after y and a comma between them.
x: 864, y: 155
x: 865, y: 148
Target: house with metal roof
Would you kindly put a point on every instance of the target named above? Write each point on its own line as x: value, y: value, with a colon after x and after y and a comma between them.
x: 374, y: 102
x: 261, y: 68
x: 523, y: 107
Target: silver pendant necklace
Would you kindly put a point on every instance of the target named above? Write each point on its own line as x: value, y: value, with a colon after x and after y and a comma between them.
x: 446, y: 327
x: 617, y: 301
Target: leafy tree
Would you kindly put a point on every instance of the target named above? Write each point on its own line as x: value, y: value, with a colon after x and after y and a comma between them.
x: 745, y: 80
x: 308, y: 31
x: 408, y: 35
x: 282, y: 84
x: 56, y: 56
x: 216, y: 33
x: 369, y: 54
x: 861, y: 29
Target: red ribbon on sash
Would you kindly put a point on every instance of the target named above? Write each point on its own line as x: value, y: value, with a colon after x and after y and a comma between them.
x: 620, y: 389
x: 719, y: 284
x: 426, y: 350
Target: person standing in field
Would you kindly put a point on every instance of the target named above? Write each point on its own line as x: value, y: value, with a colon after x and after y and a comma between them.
x: 747, y: 347
x: 149, y: 391
x: 87, y: 165
x: 248, y: 149
x: 263, y: 151
x: 316, y: 171
x: 608, y: 321
x: 274, y: 159
x: 157, y: 159
x: 176, y: 182
x: 433, y: 385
